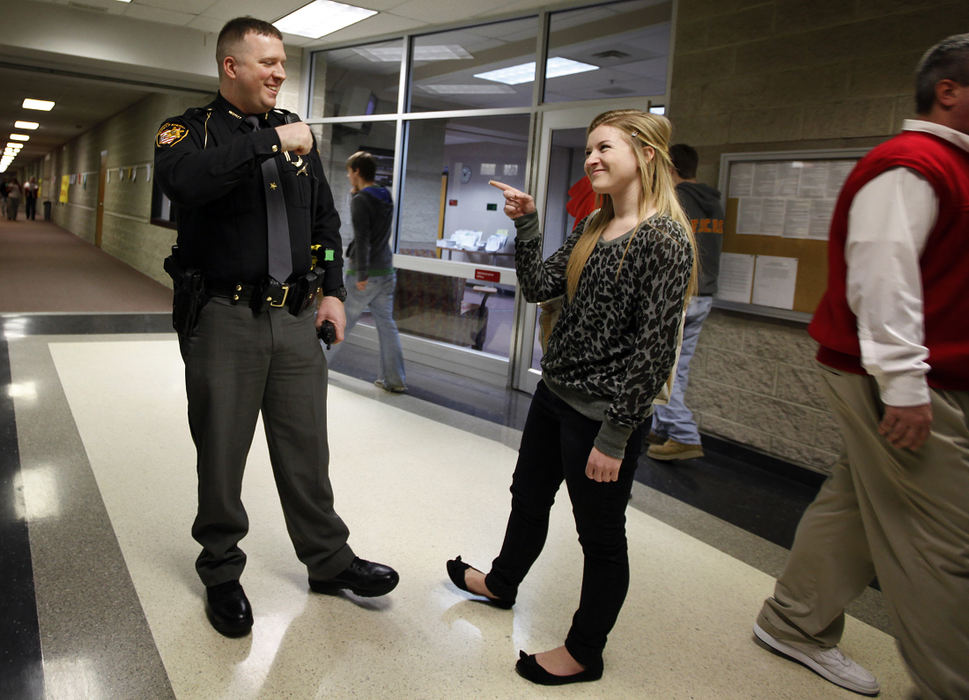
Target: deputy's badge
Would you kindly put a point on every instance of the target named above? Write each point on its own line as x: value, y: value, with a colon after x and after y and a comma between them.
x: 170, y: 133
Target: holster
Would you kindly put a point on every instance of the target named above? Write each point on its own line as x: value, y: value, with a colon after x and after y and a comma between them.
x: 303, y: 291
x: 189, y: 294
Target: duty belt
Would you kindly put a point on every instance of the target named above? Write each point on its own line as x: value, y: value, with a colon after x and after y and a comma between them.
x: 295, y: 296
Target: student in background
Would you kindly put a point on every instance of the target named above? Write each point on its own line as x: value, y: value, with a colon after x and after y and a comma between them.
x: 371, y: 279
x: 675, y: 435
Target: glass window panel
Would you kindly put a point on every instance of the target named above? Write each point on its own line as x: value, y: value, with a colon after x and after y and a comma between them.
x: 447, y: 208
x: 448, y: 67
x: 337, y: 142
x: 622, y: 50
x: 453, y: 310
x: 356, y: 81
x: 565, y: 170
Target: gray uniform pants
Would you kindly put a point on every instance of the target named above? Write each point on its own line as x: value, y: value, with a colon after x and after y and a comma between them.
x: 901, y: 514
x: 236, y: 365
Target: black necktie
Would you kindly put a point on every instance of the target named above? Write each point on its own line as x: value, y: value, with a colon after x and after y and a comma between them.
x: 277, y: 224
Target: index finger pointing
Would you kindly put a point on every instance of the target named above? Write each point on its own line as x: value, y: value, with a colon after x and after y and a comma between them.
x: 500, y: 185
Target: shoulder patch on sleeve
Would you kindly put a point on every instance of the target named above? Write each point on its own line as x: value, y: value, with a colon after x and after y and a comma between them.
x: 170, y: 133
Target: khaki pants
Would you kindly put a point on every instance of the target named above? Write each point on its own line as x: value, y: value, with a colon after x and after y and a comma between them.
x: 899, y: 514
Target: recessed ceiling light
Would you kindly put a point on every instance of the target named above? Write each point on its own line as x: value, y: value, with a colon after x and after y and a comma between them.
x: 525, y: 72
x: 320, y: 18
x: 19, y: 137
x: 25, y: 125
x: 391, y: 54
x: 43, y: 105
x: 478, y: 89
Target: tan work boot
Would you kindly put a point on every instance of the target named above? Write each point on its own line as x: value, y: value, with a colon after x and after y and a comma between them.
x: 671, y: 450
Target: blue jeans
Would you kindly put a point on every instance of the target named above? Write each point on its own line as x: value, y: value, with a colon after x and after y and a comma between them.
x: 379, y: 297
x: 675, y: 420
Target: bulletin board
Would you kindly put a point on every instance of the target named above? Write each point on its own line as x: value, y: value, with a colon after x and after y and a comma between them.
x: 778, y: 208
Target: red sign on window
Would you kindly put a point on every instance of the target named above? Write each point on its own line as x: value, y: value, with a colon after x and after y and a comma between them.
x: 487, y: 275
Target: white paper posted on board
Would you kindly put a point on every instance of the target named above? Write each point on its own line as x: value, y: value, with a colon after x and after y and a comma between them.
x: 774, y: 281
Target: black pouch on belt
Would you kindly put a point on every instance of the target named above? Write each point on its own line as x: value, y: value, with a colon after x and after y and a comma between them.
x: 189, y: 294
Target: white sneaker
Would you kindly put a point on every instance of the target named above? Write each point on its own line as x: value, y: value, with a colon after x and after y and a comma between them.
x: 827, y: 663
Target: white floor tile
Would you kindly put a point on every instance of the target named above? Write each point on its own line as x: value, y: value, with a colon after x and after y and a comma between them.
x: 414, y: 492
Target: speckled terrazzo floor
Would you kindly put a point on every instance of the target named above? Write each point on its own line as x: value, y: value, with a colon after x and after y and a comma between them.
x: 107, y: 477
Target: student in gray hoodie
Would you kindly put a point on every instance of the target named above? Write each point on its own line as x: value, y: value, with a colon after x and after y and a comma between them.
x: 674, y: 434
x: 371, y: 278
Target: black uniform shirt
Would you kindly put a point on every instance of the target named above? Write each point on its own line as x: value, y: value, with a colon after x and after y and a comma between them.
x: 208, y: 162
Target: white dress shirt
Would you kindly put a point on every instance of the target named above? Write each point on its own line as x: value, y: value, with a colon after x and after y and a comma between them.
x: 888, y: 224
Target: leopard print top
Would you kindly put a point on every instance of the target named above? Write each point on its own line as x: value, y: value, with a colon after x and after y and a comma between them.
x: 615, y: 342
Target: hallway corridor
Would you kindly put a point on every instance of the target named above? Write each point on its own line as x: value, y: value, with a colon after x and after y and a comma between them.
x: 98, y: 493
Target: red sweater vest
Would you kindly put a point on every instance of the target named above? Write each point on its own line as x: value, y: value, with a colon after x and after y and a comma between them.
x: 944, y: 263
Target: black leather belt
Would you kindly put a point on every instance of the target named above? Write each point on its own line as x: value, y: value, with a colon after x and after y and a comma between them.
x: 295, y: 296
x: 275, y: 295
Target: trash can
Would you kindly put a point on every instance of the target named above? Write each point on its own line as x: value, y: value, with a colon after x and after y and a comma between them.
x: 47, y: 210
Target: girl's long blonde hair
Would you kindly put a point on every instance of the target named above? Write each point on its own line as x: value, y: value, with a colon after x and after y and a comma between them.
x: 639, y: 129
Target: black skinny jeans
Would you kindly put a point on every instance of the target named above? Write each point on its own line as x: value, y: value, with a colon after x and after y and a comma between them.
x: 555, y: 445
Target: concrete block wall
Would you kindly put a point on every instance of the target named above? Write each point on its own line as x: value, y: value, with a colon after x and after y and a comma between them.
x: 778, y: 75
x: 754, y: 381
x: 128, y: 139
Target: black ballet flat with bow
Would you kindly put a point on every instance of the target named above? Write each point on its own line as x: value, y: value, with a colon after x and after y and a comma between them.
x: 456, y: 570
x: 529, y: 669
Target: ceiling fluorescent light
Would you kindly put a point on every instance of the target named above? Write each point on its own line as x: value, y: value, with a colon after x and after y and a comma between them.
x: 478, y: 89
x: 525, y: 72
x: 391, y: 54
x: 19, y: 137
x: 25, y: 125
x: 43, y: 105
x: 444, y: 52
x: 320, y: 18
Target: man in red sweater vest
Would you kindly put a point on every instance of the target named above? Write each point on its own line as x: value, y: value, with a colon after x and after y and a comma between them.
x: 894, y: 357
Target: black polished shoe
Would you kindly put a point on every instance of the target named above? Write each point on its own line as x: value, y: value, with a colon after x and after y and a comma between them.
x: 228, y: 609
x: 363, y: 578
x: 456, y: 570
x: 529, y: 669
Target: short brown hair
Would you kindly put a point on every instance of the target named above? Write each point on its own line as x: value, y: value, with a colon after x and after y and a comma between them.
x: 363, y: 163
x: 235, y: 30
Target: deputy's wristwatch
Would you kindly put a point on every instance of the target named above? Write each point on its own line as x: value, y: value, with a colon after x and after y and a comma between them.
x: 340, y: 293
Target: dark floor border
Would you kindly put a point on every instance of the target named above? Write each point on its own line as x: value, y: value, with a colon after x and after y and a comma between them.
x: 21, y: 665
x: 84, y: 324
x: 766, y: 462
